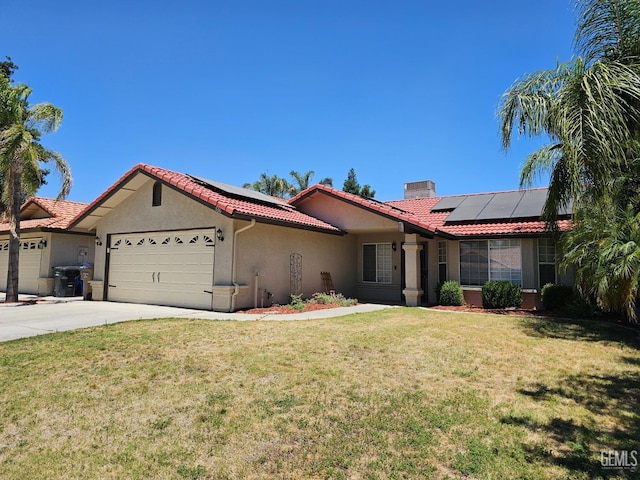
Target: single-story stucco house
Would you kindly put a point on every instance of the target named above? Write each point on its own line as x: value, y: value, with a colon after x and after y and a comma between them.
x: 170, y: 238
x: 45, y: 242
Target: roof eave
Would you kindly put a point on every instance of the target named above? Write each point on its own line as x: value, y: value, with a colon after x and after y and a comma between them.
x: 282, y: 223
x: 416, y: 225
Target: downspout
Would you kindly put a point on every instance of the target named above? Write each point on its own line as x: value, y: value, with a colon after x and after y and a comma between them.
x: 234, y: 269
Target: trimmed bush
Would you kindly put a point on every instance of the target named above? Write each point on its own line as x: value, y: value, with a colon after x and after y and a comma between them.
x: 501, y: 294
x: 556, y: 297
x: 451, y: 294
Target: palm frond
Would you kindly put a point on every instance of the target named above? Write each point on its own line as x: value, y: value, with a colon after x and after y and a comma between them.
x: 608, y: 29
x: 44, y: 117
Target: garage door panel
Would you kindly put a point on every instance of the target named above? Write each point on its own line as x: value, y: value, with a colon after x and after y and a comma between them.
x: 163, y: 268
x: 29, y: 270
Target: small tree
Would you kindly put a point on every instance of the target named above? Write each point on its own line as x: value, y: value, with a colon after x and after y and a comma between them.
x: 351, y: 185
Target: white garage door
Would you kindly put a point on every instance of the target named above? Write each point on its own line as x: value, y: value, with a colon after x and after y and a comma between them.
x: 162, y: 268
x: 29, y: 262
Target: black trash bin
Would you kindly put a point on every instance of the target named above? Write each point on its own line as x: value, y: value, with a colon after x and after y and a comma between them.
x: 67, y: 281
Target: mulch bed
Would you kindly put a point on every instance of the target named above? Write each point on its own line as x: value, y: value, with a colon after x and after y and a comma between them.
x: 285, y: 309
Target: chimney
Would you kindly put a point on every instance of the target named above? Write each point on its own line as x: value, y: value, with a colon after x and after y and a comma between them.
x: 425, y: 188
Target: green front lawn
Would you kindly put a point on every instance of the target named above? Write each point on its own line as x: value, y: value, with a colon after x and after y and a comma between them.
x: 401, y: 393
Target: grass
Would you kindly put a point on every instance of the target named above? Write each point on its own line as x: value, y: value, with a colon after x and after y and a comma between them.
x: 401, y: 393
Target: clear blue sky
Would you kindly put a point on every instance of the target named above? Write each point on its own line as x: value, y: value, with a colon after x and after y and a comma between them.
x: 400, y: 90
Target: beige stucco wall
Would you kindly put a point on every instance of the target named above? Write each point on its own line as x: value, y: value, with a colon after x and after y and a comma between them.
x: 265, y: 250
x: 177, y: 212
x: 67, y: 249
x: 345, y: 216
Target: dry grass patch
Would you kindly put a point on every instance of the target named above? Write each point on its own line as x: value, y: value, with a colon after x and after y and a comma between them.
x: 401, y: 393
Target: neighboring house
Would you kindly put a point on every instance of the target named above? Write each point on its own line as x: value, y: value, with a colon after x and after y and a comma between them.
x: 164, y: 237
x: 45, y: 242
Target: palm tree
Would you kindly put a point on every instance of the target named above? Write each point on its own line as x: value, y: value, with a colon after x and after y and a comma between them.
x: 270, y: 185
x: 590, y: 110
x: 589, y: 107
x: 21, y: 155
x: 604, y: 251
x: 303, y: 181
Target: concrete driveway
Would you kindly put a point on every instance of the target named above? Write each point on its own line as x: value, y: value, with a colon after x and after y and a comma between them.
x: 52, y: 314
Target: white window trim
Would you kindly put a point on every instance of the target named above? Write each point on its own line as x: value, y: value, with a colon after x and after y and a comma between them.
x: 376, y: 282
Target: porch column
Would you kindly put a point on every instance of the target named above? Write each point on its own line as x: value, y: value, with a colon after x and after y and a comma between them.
x: 412, y: 291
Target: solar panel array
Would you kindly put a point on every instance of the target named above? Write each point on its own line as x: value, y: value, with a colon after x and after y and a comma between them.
x: 495, y: 206
x: 242, y: 192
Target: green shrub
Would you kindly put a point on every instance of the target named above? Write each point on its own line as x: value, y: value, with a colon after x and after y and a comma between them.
x: 556, y: 297
x: 501, y: 294
x: 577, y: 307
x: 451, y: 294
x: 296, y: 302
x: 333, y: 299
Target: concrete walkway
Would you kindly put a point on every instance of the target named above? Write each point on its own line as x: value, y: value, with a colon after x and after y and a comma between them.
x: 58, y: 314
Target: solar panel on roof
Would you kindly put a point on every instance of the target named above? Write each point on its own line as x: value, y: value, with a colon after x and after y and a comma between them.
x: 502, y: 205
x: 531, y: 204
x: 448, y: 203
x: 242, y: 192
x: 470, y: 207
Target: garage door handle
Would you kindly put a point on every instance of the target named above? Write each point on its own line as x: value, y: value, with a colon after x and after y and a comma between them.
x: 158, y: 277
x: 112, y: 286
x: 153, y: 277
x: 207, y: 291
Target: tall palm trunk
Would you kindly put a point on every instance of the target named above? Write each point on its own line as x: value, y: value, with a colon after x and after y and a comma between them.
x: 14, y: 237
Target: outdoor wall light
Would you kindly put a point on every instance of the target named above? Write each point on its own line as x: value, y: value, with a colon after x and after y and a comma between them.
x: 394, y: 247
x: 219, y: 235
x: 98, y: 241
x: 42, y: 244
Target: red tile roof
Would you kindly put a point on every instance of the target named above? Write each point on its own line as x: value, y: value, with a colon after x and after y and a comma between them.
x: 60, y: 214
x: 419, y: 213
x: 422, y: 207
x: 227, y: 203
x: 387, y: 209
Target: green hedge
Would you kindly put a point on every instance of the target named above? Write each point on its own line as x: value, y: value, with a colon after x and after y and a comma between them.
x: 450, y: 293
x: 556, y: 297
x: 501, y: 294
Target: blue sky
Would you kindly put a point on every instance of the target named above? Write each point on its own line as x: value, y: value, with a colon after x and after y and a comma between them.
x: 399, y: 90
